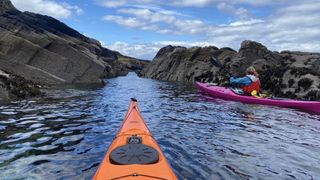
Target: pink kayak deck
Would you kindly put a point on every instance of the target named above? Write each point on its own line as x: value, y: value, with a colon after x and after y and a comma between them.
x: 227, y: 94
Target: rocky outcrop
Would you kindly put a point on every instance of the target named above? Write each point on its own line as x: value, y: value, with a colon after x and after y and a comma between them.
x: 12, y: 87
x: 45, y: 50
x: 132, y: 64
x: 6, y: 5
x: 301, y: 75
x: 253, y: 53
x: 284, y: 74
x: 184, y: 64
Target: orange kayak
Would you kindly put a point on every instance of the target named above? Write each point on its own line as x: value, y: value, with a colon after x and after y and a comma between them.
x: 134, y: 154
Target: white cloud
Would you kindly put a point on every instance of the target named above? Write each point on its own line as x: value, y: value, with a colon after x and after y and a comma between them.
x: 232, y: 7
x: 301, y: 7
x: 202, y: 3
x: 118, y: 3
x: 48, y: 7
x: 143, y: 50
x: 161, y: 10
x: 128, y: 22
x: 193, y: 3
x: 246, y: 23
x: 291, y: 27
x: 240, y: 13
x: 285, y: 30
x: 190, y: 3
x: 157, y: 21
x: 113, y: 3
x: 74, y: 8
x: 148, y: 50
x: 149, y: 15
x: 184, y: 43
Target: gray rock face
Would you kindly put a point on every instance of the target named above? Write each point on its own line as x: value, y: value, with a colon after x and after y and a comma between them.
x: 184, y: 64
x: 253, y: 53
x: 132, y: 64
x: 301, y: 77
x: 30, y: 46
x: 46, y: 51
x: 6, y: 5
x: 286, y: 74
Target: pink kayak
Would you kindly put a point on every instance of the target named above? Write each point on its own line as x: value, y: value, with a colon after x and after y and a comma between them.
x: 228, y: 94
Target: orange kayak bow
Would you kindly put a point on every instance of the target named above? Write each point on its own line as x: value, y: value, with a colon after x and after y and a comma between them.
x: 134, y: 154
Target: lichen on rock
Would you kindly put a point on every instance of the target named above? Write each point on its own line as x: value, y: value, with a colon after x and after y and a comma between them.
x: 16, y: 87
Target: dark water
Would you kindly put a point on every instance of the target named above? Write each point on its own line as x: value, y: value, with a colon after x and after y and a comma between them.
x: 66, y: 135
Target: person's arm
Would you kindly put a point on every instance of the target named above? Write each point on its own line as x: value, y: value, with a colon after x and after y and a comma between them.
x: 242, y: 81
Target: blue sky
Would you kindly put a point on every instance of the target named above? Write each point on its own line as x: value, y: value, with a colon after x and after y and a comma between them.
x: 139, y: 28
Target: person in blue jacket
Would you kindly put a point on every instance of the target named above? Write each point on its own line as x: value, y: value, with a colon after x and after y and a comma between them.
x: 248, y: 83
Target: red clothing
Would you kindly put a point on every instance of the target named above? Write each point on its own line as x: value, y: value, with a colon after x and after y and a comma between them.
x: 254, y: 86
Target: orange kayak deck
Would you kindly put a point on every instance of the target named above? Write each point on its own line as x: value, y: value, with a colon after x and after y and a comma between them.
x: 133, y: 125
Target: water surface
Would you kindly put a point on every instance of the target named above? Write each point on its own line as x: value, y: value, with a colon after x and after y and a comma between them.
x: 66, y: 134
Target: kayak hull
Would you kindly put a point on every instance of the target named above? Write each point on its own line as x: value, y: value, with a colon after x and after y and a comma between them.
x: 134, y: 125
x: 227, y: 94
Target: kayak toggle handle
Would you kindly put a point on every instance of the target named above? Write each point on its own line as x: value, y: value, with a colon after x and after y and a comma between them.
x: 134, y: 139
x: 134, y: 99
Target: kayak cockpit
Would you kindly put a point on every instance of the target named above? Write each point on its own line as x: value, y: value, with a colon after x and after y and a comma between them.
x: 134, y: 152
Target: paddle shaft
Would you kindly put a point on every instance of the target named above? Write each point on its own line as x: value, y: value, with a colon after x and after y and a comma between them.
x: 217, y: 63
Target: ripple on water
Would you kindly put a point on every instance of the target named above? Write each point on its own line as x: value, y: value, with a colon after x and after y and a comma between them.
x: 66, y: 134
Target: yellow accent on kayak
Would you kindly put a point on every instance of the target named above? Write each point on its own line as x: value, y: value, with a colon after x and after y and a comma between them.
x: 258, y: 95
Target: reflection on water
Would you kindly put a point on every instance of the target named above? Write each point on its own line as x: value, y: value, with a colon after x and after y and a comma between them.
x: 66, y: 135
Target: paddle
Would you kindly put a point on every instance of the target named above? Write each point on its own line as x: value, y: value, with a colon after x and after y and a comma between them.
x: 217, y: 63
